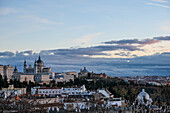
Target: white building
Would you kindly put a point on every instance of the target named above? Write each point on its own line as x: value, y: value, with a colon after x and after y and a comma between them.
x: 50, y: 91
x: 58, y: 90
x: 75, y: 90
x: 105, y: 93
x: 115, y: 102
x: 143, y: 98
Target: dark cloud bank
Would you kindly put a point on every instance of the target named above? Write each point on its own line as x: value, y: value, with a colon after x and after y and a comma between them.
x: 62, y: 60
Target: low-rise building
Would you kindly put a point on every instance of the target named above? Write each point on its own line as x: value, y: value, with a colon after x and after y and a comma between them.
x: 63, y: 77
x: 113, y: 102
x: 58, y: 90
x: 72, y: 73
x: 11, y: 91
x: 101, y: 75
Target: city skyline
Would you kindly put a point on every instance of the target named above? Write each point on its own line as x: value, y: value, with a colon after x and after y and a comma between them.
x: 130, y: 37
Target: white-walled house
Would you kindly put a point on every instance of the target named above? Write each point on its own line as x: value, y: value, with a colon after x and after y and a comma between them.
x: 75, y: 90
x: 115, y: 102
x: 58, y: 90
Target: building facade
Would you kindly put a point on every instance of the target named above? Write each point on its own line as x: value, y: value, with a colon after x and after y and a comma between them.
x: 6, y: 71
x: 83, y: 72
x: 58, y: 90
x: 23, y: 77
x: 37, y: 73
x: 63, y: 77
x: 38, y: 67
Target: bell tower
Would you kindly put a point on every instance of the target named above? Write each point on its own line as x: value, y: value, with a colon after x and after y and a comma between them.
x: 35, y: 67
x: 25, y: 66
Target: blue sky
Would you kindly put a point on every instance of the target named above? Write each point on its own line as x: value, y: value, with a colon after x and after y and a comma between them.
x: 24, y: 24
x: 84, y: 25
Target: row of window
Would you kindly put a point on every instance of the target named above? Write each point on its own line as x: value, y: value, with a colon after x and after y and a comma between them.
x: 55, y: 92
x: 72, y: 89
x: 49, y: 92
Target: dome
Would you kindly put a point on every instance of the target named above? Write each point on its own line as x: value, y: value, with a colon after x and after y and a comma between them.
x: 85, y: 70
x: 39, y: 61
x: 143, y: 98
x: 143, y: 95
x: 15, y: 70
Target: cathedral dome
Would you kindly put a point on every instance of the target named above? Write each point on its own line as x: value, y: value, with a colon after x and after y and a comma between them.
x: 39, y: 61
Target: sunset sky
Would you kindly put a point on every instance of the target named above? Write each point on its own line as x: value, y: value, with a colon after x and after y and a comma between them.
x: 120, y: 33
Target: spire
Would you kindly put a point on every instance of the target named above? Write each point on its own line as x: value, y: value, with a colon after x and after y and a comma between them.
x: 25, y: 63
x: 39, y: 58
x: 143, y: 90
x: 35, y: 63
x: 15, y: 70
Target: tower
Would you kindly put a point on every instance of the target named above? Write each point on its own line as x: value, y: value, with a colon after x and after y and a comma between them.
x: 35, y: 67
x: 84, y: 67
x: 25, y: 66
x: 15, y: 70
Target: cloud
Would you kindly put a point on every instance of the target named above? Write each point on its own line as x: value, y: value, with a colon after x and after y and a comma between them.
x: 88, y: 38
x: 161, y: 1
x: 159, y: 5
x: 6, y: 54
x: 24, y: 53
x: 166, y: 28
x: 37, y: 19
x: 73, y: 59
x: 133, y: 41
x: 162, y: 38
x: 123, y: 54
x: 83, y: 27
x: 158, y: 64
x: 90, y: 51
x: 142, y: 42
x: 5, y: 11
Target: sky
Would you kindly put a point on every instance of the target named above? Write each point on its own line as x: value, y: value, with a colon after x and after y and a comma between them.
x: 116, y: 37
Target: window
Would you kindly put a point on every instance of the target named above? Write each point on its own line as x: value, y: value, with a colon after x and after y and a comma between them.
x: 53, y: 91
